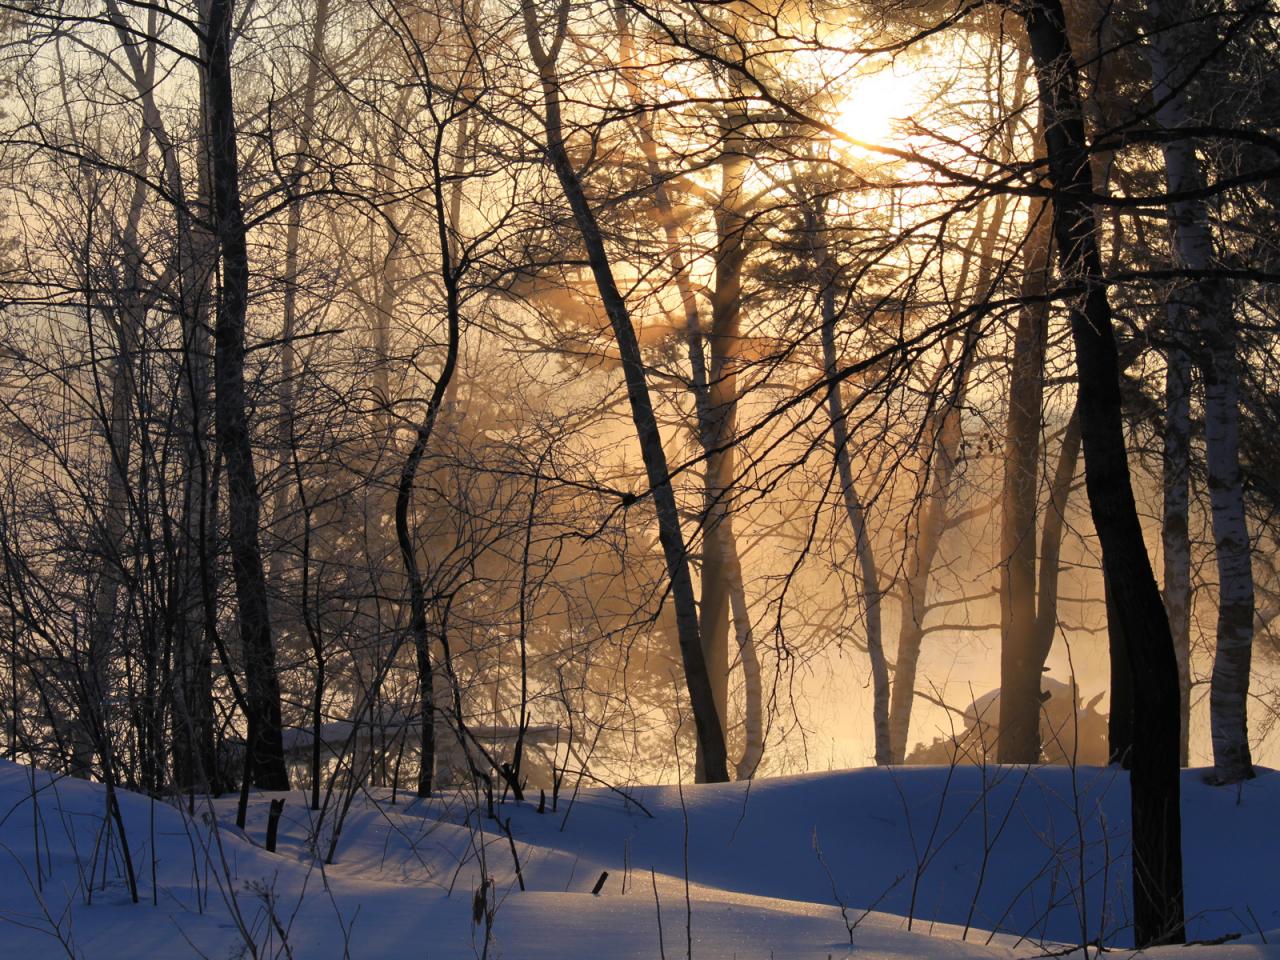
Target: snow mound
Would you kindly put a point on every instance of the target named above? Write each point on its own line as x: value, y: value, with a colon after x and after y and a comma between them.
x: 776, y: 868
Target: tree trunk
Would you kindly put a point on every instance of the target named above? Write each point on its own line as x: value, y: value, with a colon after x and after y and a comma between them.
x: 194, y: 262
x: 706, y: 717
x: 125, y: 315
x: 450, y: 274
x: 726, y: 568
x: 1175, y: 534
x: 196, y: 764
x: 944, y: 435
x: 1051, y: 536
x: 752, y: 684
x: 924, y: 546
x: 1136, y: 603
x: 1175, y: 526
x: 722, y: 409
x: 112, y: 527
x: 1209, y: 311
x: 264, y: 742
x: 1021, y: 659
x: 286, y: 397
x: 868, y: 574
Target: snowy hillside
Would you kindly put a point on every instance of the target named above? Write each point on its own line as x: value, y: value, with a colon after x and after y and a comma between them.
x: 769, y: 867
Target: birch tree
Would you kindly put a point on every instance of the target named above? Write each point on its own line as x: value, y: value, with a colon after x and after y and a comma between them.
x: 1202, y: 308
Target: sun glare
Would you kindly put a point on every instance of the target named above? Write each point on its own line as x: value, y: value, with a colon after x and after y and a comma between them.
x: 875, y: 107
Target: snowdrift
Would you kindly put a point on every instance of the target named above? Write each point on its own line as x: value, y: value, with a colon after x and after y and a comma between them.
x: 873, y: 863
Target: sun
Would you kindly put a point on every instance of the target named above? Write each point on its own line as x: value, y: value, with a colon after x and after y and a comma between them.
x: 875, y: 107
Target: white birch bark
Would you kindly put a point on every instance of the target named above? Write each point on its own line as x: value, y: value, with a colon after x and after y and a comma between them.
x: 1208, y: 301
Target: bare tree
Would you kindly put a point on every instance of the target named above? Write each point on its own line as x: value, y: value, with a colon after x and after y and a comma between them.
x: 264, y: 742
x: 1136, y: 605
x: 1204, y: 308
x: 706, y: 717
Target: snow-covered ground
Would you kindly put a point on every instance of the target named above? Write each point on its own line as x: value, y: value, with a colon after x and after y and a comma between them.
x: 776, y: 869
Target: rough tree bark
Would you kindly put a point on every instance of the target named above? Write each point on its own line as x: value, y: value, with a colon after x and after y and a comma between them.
x: 706, y: 718
x: 1136, y: 604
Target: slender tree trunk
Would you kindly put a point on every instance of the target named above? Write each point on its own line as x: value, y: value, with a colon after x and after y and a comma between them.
x: 706, y: 717
x: 1205, y: 306
x: 930, y: 525
x: 195, y: 259
x: 195, y: 684
x: 722, y: 563
x: 195, y: 755
x: 418, y: 624
x: 112, y: 528
x: 722, y: 395
x: 381, y: 312
x: 126, y: 316
x: 1021, y: 659
x: 1051, y: 537
x: 752, y: 683
x: 868, y: 574
x: 1136, y: 603
x: 945, y: 432
x: 286, y: 397
x: 264, y: 742
x: 1175, y: 527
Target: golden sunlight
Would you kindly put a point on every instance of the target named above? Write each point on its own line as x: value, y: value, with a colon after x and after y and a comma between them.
x: 875, y: 106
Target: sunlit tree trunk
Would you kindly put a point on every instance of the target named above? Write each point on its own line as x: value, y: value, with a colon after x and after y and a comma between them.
x: 943, y: 434
x: 722, y: 407
x: 722, y: 567
x: 749, y: 659
x: 923, y: 547
x: 1021, y: 658
x: 1051, y: 534
x: 706, y: 717
x: 1208, y: 304
x: 1136, y: 603
x: 868, y: 574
